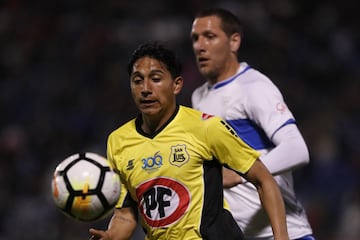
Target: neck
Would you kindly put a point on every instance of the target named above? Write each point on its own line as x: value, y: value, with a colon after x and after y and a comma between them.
x: 152, y: 123
x: 229, y: 70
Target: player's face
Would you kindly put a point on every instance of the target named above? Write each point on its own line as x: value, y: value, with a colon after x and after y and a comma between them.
x: 153, y: 88
x: 213, y: 49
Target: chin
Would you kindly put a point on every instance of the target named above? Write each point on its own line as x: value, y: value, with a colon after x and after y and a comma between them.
x: 205, y: 71
x: 149, y: 111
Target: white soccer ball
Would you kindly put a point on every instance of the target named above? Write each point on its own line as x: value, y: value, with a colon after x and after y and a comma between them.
x: 84, y: 187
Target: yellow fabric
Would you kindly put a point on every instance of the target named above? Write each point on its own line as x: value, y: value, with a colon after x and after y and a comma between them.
x: 164, y: 173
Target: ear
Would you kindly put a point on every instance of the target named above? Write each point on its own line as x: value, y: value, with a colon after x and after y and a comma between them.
x: 178, y: 84
x: 235, y: 41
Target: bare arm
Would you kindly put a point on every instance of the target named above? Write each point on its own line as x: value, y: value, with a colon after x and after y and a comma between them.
x: 270, y: 197
x: 231, y: 178
x: 121, y: 226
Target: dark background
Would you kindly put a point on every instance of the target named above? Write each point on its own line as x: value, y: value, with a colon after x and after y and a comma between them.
x: 64, y: 88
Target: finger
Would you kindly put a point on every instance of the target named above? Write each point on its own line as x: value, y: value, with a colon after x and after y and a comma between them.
x: 94, y: 231
x: 93, y: 237
x: 95, y: 234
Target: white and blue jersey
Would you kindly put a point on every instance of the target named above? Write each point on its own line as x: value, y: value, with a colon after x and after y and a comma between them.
x: 255, y: 108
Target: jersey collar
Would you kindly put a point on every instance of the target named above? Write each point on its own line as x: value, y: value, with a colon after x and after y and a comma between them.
x: 138, y: 123
x: 242, y: 69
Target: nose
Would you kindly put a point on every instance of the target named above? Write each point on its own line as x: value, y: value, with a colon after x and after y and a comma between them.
x: 146, y: 88
x: 198, y: 44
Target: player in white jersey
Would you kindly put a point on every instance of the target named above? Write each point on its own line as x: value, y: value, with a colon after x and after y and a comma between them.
x: 255, y: 108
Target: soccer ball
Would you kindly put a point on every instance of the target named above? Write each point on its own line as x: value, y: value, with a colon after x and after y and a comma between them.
x: 84, y: 187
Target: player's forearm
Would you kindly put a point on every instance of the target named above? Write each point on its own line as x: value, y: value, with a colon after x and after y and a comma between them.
x: 270, y: 197
x: 274, y: 206
x: 122, y: 224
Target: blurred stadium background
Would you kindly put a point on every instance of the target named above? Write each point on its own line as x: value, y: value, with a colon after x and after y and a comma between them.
x: 64, y: 88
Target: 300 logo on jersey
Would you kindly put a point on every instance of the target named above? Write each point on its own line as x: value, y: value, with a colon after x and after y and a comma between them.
x: 153, y: 162
x: 163, y: 201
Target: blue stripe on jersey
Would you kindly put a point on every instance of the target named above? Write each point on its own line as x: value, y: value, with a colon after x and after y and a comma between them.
x: 308, y: 237
x: 252, y: 134
x: 290, y: 121
x: 223, y: 83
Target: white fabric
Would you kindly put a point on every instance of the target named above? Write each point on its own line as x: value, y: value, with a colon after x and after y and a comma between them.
x: 251, y: 103
x: 290, y: 151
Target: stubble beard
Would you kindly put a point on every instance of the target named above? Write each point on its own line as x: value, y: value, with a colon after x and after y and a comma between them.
x: 209, y: 74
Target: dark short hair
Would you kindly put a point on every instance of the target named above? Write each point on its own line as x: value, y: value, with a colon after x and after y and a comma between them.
x: 159, y: 52
x: 230, y: 23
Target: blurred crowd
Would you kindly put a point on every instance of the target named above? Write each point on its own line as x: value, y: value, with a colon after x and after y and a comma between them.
x: 64, y: 88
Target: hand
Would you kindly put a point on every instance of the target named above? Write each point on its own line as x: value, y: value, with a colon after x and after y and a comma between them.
x: 98, y: 234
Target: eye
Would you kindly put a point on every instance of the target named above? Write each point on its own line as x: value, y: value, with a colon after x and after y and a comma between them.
x: 156, y: 79
x: 210, y: 36
x: 136, y: 80
x: 194, y: 37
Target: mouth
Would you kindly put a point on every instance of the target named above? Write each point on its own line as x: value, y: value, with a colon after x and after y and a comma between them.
x: 202, y: 61
x: 147, y: 102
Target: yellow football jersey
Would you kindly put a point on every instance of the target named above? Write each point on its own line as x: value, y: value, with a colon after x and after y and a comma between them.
x: 174, y: 176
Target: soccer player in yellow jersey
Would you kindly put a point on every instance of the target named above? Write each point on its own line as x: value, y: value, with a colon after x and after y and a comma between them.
x: 170, y: 160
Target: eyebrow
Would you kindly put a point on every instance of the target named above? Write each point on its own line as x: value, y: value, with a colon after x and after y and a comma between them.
x: 155, y: 71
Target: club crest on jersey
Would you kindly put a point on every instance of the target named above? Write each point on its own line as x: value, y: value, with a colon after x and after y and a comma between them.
x: 205, y: 116
x: 152, y: 163
x: 179, y: 155
x: 281, y: 107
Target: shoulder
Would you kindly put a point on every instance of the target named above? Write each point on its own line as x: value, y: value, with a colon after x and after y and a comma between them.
x: 253, y: 77
x: 196, y: 118
x: 189, y: 113
x: 255, y: 82
x: 124, y: 130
